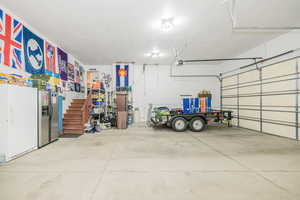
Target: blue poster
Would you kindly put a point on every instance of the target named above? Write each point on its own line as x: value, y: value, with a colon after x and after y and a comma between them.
x: 33, y: 53
x: 122, y: 74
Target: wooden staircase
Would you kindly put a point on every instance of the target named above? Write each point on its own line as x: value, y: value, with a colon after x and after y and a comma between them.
x: 76, y: 116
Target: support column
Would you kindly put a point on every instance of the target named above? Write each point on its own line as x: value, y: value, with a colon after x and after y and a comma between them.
x: 297, y: 100
x: 238, y: 100
x: 261, y: 99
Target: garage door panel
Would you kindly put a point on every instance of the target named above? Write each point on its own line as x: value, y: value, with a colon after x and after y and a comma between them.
x: 279, y: 86
x: 249, y: 100
x: 250, y: 124
x: 249, y: 89
x: 279, y: 69
x: 276, y: 80
x: 275, y: 100
x: 229, y: 81
x: 250, y: 113
x: 234, y: 121
x: 229, y: 101
x: 229, y: 92
x: 279, y: 116
x: 281, y: 130
x: 249, y: 76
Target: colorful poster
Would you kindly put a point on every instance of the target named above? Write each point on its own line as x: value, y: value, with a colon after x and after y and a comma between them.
x: 122, y: 76
x: 71, y: 75
x: 81, y: 74
x: 50, y: 65
x: 11, y: 42
x: 77, y: 72
x: 62, y: 64
x: 33, y: 52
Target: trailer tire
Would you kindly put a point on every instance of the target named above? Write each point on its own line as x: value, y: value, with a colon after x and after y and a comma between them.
x: 179, y: 124
x: 197, y: 124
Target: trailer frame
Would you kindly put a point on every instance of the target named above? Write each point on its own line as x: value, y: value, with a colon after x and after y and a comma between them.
x: 169, y: 120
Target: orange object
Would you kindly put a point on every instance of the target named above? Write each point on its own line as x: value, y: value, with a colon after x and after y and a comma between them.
x: 122, y: 72
x: 96, y: 85
x: 203, y: 104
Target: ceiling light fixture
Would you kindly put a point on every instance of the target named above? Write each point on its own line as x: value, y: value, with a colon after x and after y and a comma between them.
x: 154, y: 53
x: 167, y: 24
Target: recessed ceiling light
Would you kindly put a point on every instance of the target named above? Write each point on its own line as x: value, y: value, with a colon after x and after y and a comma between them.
x: 167, y: 24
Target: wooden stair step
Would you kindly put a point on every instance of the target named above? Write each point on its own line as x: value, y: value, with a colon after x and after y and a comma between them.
x: 76, y: 112
x: 73, y: 126
x: 72, y: 123
x: 77, y: 118
x: 74, y: 109
x: 71, y: 120
x: 76, y: 105
x: 72, y: 115
x: 78, y: 100
x: 73, y: 131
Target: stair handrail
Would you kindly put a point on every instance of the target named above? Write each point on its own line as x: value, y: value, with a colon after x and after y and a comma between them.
x: 86, y: 109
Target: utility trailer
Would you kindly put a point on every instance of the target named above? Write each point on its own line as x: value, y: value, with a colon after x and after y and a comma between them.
x: 180, y: 122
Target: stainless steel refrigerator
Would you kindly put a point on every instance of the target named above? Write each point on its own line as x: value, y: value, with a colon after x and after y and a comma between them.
x: 48, y: 118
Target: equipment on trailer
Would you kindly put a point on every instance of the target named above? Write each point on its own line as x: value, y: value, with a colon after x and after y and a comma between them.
x: 179, y: 121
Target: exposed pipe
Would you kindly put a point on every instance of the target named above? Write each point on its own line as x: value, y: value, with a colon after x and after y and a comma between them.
x: 261, y: 61
x: 216, y: 76
x: 181, y: 62
x: 267, y: 59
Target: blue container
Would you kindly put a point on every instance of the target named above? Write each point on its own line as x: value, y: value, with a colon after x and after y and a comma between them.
x: 208, y: 104
x: 196, y: 105
x: 186, y: 105
x: 190, y: 105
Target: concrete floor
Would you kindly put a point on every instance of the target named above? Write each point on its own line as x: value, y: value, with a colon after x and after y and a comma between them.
x: 143, y: 163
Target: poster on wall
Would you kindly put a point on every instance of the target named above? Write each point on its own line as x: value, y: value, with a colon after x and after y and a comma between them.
x: 81, y: 74
x: 71, y: 86
x: 77, y: 72
x: 62, y: 64
x: 11, y: 42
x: 51, y: 67
x: 71, y: 75
x: 122, y: 77
x: 33, y: 52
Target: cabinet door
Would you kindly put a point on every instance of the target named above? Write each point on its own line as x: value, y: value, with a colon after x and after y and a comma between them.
x: 22, y: 120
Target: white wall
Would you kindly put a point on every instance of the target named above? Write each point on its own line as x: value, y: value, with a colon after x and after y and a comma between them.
x: 281, y: 44
x: 9, y: 70
x: 69, y: 96
x: 155, y: 85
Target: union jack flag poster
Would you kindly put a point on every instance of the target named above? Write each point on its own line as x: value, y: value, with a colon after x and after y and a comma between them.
x: 11, y: 42
x: 50, y: 64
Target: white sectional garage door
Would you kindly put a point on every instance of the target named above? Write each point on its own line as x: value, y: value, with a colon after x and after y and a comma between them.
x: 265, y: 99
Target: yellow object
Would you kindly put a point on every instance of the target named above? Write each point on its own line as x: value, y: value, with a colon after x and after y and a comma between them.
x: 54, y: 81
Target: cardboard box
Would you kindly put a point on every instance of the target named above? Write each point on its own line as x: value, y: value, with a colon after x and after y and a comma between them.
x: 122, y: 119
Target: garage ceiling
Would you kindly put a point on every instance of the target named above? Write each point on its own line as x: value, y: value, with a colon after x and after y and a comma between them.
x: 106, y: 31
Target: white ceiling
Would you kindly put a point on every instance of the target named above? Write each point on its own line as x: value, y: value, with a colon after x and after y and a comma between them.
x: 106, y: 31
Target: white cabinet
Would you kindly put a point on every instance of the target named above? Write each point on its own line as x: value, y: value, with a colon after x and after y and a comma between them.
x: 18, y: 121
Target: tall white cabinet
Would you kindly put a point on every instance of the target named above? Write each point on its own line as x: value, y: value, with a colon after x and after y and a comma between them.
x: 18, y: 121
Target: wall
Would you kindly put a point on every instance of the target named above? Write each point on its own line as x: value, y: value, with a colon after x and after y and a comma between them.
x: 71, y: 59
x: 281, y: 44
x: 153, y: 84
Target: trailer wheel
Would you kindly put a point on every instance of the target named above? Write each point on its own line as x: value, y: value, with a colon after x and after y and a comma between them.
x: 179, y: 124
x: 197, y: 124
